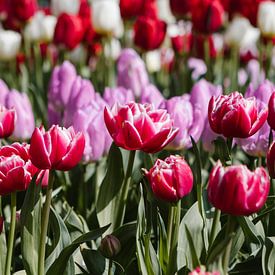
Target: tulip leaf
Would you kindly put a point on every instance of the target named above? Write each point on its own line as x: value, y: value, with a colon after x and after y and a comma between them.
x: 147, y: 259
x: 268, y: 256
x: 30, y: 219
x: 59, y: 265
x: 194, y: 223
x: 61, y: 239
x: 162, y: 249
x: 109, y: 194
x: 3, y: 251
x: 94, y: 261
x: 222, y: 151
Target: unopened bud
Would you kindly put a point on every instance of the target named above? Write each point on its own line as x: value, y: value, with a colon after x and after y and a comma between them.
x: 110, y: 246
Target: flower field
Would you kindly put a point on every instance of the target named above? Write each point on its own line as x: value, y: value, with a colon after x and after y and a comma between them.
x: 136, y: 137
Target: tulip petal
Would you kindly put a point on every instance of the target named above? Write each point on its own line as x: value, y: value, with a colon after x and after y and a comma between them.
x: 131, y: 137
x: 262, y: 117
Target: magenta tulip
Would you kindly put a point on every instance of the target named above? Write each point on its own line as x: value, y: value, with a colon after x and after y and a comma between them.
x: 170, y: 179
x: 7, y: 121
x: 271, y: 111
x: 238, y: 191
x: 136, y: 126
x: 235, y: 116
x: 270, y: 160
x: 59, y: 148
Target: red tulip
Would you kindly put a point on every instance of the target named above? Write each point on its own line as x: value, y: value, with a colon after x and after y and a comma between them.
x: 181, y: 43
x: 139, y: 127
x: 236, y: 190
x: 7, y: 119
x: 69, y: 31
x: 16, y: 169
x: 235, y: 116
x: 270, y: 160
x: 207, y: 16
x: 171, y: 179
x: 181, y: 8
x: 131, y: 8
x: 59, y: 148
x: 271, y: 111
x: 23, y: 9
x: 149, y: 33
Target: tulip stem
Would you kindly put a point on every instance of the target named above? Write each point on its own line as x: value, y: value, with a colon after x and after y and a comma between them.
x: 44, y: 225
x: 172, y: 236
x: 125, y: 190
x: 214, y: 227
x: 110, y: 267
x: 231, y: 223
x: 11, y: 234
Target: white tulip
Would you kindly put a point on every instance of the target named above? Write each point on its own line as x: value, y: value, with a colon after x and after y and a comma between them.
x: 266, y: 18
x: 153, y: 61
x: 67, y: 6
x: 78, y: 55
x: 112, y: 50
x: 106, y: 17
x: 10, y: 43
x: 241, y: 33
x: 40, y: 28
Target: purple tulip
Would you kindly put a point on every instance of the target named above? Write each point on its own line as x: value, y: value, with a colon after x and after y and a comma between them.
x: 132, y: 72
x: 197, y: 66
x: 150, y: 94
x: 118, y: 95
x: 257, y: 145
x: 24, y: 124
x: 4, y: 90
x: 90, y: 121
x: 59, y: 91
x: 82, y: 94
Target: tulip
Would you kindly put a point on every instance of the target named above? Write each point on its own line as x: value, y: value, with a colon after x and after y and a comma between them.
x: 238, y: 191
x: 139, y: 127
x: 16, y: 169
x: 112, y: 50
x: 201, y: 271
x: 270, y: 160
x: 131, y: 72
x: 153, y: 61
x: 271, y: 112
x: 181, y: 43
x: 40, y: 28
x: 118, y: 95
x: 90, y: 121
x: 234, y: 116
x: 10, y: 43
x: 198, y: 67
x: 181, y: 8
x: 110, y: 246
x: 4, y: 91
x: 24, y: 124
x: 69, y: 31
x: 149, y: 33
x: 7, y: 121
x: 23, y: 9
x: 241, y: 34
x: 58, y: 148
x: 131, y: 8
x: 207, y: 16
x: 106, y: 17
x: 64, y: 6
x: 170, y: 179
x: 266, y: 19
x: 150, y: 94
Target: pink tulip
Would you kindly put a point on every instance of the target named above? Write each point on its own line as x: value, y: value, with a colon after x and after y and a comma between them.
x: 271, y: 111
x: 16, y: 169
x: 7, y: 119
x: 170, y: 179
x: 235, y: 116
x: 201, y: 271
x: 59, y: 148
x: 136, y: 126
x: 236, y: 190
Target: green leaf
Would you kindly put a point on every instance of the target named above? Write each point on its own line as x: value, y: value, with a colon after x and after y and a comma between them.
x: 195, y: 258
x: 30, y: 229
x: 60, y: 239
x: 162, y: 244
x: 94, y: 261
x: 268, y: 256
x: 109, y: 193
x: 193, y: 221
x: 59, y: 265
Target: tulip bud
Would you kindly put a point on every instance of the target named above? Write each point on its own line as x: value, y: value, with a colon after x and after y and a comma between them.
x: 110, y: 246
x: 64, y: 6
x: 266, y: 19
x: 235, y: 190
x: 270, y: 160
x: 131, y: 8
x: 139, y: 127
x: 10, y: 43
x: 171, y: 179
x: 202, y: 271
x: 234, y: 116
x: 23, y: 9
x: 271, y: 111
x: 7, y: 121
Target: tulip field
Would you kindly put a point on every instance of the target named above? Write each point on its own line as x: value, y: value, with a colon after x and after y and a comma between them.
x: 137, y: 137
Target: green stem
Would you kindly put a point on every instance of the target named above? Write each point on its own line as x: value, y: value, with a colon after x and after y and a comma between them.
x: 214, y: 227
x: 44, y: 226
x: 11, y: 234
x: 172, y: 237
x: 226, y: 257
x: 125, y: 190
x: 110, y: 267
